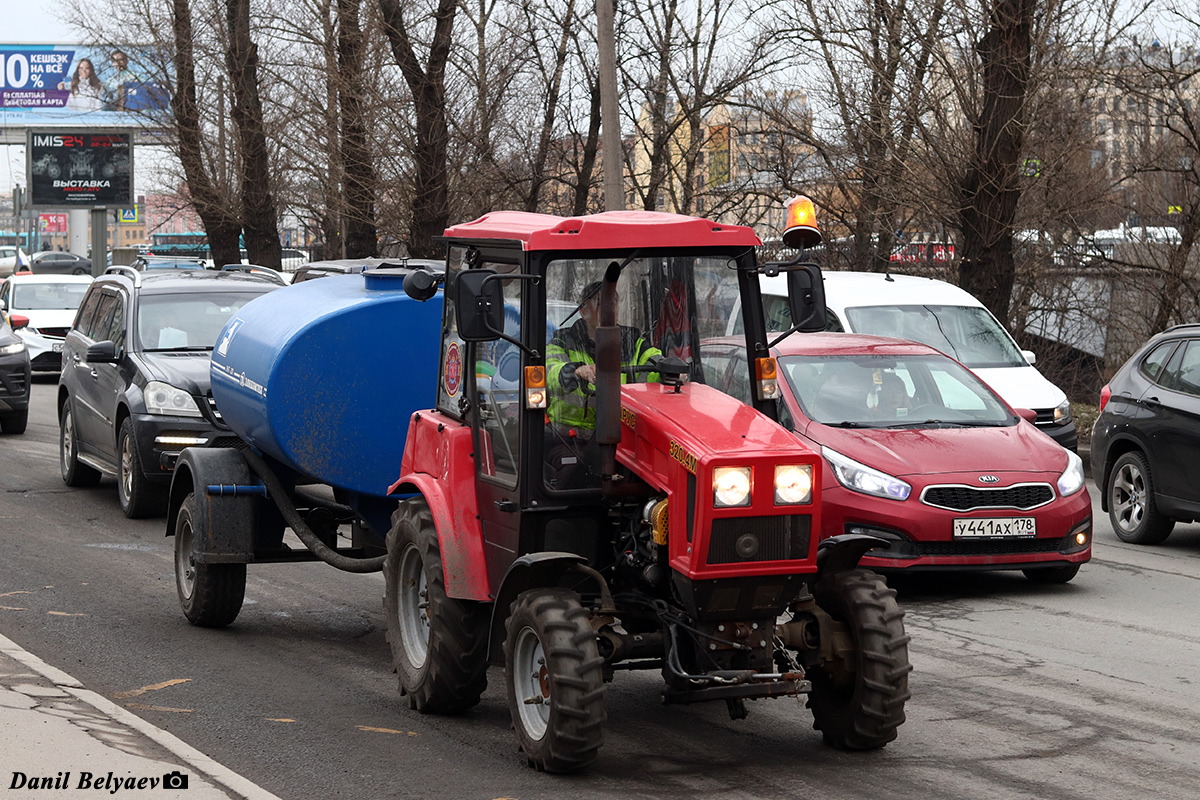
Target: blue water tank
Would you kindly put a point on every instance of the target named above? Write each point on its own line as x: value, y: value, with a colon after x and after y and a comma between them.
x: 324, y: 375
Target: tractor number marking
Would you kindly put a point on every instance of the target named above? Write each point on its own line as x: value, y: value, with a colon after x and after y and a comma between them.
x: 683, y: 457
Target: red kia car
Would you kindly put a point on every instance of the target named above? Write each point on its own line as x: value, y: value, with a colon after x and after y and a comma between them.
x: 920, y: 452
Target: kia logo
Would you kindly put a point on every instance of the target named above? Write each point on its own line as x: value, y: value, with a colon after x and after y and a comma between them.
x: 988, y: 479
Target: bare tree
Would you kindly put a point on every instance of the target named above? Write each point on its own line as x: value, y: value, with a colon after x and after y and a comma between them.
x: 430, y: 196
x: 358, y: 169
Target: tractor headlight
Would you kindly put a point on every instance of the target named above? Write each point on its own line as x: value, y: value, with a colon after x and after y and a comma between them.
x: 861, y: 478
x: 163, y: 398
x: 1071, y: 481
x: 793, y: 485
x: 731, y: 487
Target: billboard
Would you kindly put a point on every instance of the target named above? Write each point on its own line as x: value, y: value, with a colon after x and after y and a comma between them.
x: 77, y: 85
x: 52, y: 223
x: 86, y: 169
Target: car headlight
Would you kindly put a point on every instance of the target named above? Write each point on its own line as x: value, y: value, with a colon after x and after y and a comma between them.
x: 731, y: 487
x: 1062, y: 413
x: 12, y: 349
x: 1071, y: 481
x: 793, y: 485
x: 163, y: 398
x: 861, y: 478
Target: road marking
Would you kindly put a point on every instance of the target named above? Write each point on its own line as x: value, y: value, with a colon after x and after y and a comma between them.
x: 280, y: 719
x: 13, y: 608
x: 19, y: 591
x: 64, y: 614
x: 152, y: 688
x: 384, y: 730
x: 159, y: 708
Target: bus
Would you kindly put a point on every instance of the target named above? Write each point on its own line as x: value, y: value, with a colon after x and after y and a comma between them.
x: 192, y: 244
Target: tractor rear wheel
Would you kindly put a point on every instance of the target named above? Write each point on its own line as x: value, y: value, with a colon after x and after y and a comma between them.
x: 858, y: 703
x: 210, y: 595
x: 555, y: 680
x: 439, y: 644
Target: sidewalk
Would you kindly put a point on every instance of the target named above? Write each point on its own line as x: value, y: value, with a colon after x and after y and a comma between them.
x: 61, y: 740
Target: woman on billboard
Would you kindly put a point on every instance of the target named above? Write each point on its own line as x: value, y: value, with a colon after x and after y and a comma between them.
x: 87, y: 92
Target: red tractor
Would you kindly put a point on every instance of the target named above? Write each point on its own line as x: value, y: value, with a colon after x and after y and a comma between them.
x: 580, y: 502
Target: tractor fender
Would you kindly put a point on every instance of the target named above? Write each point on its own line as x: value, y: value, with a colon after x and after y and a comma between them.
x: 842, y: 552
x: 527, y: 572
x: 223, y: 527
x: 460, y: 538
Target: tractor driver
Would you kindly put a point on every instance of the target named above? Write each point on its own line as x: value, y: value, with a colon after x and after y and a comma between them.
x: 571, y: 377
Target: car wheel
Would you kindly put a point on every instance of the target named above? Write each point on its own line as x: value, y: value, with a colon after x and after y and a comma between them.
x: 1131, y: 508
x: 15, y: 422
x: 139, y: 497
x: 1060, y: 574
x: 211, y: 595
x: 74, y: 473
x: 81, y: 271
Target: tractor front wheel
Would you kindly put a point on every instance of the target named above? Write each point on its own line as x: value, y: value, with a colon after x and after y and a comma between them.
x: 439, y: 644
x: 858, y: 701
x: 555, y: 680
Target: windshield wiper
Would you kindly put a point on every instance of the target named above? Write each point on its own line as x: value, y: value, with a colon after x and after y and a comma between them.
x: 848, y: 423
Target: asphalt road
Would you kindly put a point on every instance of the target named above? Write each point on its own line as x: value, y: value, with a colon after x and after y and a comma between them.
x: 1019, y: 691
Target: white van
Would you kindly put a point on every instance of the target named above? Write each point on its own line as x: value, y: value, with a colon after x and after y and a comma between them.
x: 942, y: 316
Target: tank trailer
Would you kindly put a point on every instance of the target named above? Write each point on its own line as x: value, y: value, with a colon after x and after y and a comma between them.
x: 526, y: 446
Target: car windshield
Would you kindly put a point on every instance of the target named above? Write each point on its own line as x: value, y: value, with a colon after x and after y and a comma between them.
x: 891, y: 392
x: 187, y: 321
x: 48, y: 296
x: 968, y: 333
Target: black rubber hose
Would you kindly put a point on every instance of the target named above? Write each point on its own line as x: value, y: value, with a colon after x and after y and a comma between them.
x: 292, y: 517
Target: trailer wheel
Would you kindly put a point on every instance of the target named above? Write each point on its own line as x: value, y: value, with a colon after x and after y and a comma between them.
x: 439, y: 644
x: 210, y: 594
x: 859, y: 704
x: 74, y: 472
x: 139, y: 497
x: 555, y: 680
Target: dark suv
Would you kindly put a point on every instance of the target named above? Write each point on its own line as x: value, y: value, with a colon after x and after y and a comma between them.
x: 1146, y: 441
x: 134, y: 388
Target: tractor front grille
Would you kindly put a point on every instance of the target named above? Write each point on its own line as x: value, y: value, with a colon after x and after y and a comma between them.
x: 1023, y: 496
x: 737, y: 540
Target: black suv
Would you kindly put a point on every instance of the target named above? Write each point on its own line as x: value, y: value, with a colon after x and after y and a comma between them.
x: 14, y: 378
x: 1146, y: 441
x: 134, y: 388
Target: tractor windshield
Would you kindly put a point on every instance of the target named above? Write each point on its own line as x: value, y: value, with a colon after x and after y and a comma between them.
x: 670, y: 302
x: 667, y: 304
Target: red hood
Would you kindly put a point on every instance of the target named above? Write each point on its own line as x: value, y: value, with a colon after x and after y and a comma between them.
x: 900, y: 452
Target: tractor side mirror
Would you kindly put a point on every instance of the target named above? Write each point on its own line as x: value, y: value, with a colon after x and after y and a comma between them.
x: 806, y: 298
x: 479, y: 305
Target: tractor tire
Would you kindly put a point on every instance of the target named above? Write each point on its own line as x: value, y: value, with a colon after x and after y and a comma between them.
x: 16, y: 422
x: 861, y: 707
x: 139, y: 497
x: 439, y: 644
x: 555, y: 680
x: 210, y: 595
x: 74, y: 472
x: 1060, y: 574
x: 1131, y: 508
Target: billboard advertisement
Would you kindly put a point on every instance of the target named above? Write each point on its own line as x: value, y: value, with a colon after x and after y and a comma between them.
x: 52, y: 223
x: 61, y: 84
x: 86, y: 169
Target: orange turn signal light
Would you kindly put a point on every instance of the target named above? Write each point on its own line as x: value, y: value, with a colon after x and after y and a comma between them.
x: 535, y: 377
